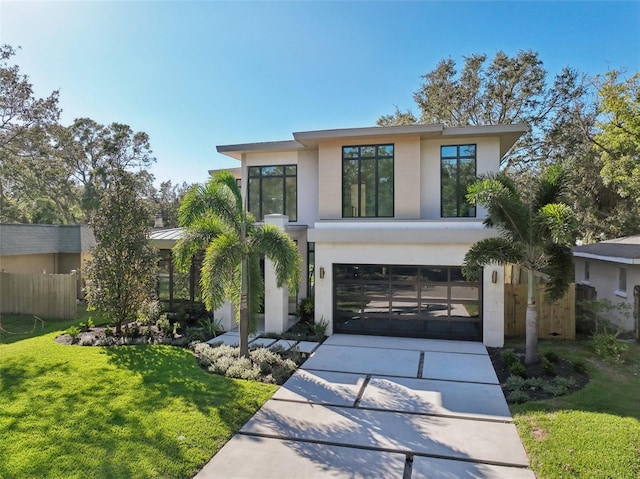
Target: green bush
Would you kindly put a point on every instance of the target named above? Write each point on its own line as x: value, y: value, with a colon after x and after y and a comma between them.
x: 607, y: 346
x: 518, y: 369
x: 515, y: 383
x: 243, y: 368
x: 548, y: 366
x: 164, y: 325
x: 306, y: 309
x: 517, y: 397
x: 580, y: 366
x: 73, y: 331
x: 108, y: 331
x: 509, y: 357
x: 551, y: 356
x: 90, y: 323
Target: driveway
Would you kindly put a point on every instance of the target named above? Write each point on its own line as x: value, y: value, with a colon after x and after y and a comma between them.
x: 381, y: 407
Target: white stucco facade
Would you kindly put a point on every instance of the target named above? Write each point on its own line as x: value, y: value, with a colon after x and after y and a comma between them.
x: 416, y: 235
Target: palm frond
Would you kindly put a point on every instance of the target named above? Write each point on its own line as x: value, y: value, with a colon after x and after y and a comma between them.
x: 507, y: 211
x: 195, y: 239
x: 550, y: 187
x: 278, y: 246
x: 487, y: 251
x: 229, y: 181
x: 559, y: 267
x: 219, y: 266
x: 555, y: 222
x: 210, y: 199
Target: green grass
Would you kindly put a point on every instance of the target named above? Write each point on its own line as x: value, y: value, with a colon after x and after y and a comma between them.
x: 122, y: 412
x: 592, y: 433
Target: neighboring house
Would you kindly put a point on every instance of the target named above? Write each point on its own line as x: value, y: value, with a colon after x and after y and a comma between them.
x: 613, y: 268
x: 53, y: 249
x: 382, y: 224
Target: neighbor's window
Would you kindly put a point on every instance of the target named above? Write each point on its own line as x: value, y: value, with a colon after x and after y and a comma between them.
x: 367, y: 181
x: 457, y: 172
x: 586, y: 271
x: 273, y: 189
x: 622, y: 280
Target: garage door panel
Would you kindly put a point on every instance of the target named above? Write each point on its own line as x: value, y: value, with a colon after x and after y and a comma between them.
x: 406, y: 300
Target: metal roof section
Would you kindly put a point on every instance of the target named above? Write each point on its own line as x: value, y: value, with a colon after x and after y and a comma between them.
x: 508, y: 134
x: 19, y: 239
x: 619, y: 250
x: 166, y: 234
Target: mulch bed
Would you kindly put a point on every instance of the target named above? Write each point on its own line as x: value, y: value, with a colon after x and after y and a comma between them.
x: 563, y: 368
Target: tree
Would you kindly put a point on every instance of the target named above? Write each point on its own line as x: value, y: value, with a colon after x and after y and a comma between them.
x: 216, y: 221
x: 537, y: 232
x: 165, y: 200
x: 122, y: 273
x: 507, y: 90
x: 25, y: 123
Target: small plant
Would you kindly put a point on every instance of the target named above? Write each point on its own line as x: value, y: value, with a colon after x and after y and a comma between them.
x: 518, y: 369
x: 131, y: 330
x: 90, y: 323
x: 320, y: 328
x: 210, y: 327
x: 164, y: 325
x: 509, y: 357
x: 517, y: 397
x: 73, y: 331
x: 82, y: 326
x: 306, y: 310
x: 548, y: 366
x: 515, y: 383
x: 551, y: 356
x: 580, y: 366
x: 606, y: 346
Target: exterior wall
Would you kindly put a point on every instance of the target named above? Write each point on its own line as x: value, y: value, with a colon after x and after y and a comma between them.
x: 487, y: 160
x: 603, y: 275
x: 328, y: 254
x: 307, y: 174
x: 29, y: 263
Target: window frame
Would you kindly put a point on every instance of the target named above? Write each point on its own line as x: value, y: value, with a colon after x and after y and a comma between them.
x: 458, y: 157
x: 260, y: 177
x: 587, y: 272
x: 622, y: 282
x: 377, y: 159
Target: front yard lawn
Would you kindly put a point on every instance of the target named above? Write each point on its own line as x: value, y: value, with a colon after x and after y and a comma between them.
x: 594, y: 432
x: 120, y: 412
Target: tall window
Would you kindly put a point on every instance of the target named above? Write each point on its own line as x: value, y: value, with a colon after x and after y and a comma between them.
x: 622, y: 280
x: 587, y: 275
x: 457, y: 172
x: 367, y: 181
x: 273, y: 189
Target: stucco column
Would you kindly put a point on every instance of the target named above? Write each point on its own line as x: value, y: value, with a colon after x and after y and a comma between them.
x: 493, y: 305
x: 276, y: 300
x: 226, y: 315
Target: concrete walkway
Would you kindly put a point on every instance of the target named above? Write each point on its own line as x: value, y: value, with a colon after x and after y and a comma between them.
x: 379, y: 407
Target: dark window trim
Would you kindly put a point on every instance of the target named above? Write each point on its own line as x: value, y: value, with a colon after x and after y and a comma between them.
x: 458, y: 157
x: 284, y: 177
x: 376, y: 158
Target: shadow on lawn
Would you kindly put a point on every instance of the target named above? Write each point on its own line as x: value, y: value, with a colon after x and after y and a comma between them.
x: 171, y: 372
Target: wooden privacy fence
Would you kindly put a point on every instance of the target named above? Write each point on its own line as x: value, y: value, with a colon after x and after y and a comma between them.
x: 555, y: 321
x: 48, y: 295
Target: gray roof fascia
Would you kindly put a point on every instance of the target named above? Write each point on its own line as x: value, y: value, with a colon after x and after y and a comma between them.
x: 235, y: 151
x: 311, y: 138
x: 508, y: 134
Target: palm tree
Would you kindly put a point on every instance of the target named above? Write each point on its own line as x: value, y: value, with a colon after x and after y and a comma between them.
x: 537, y: 231
x: 216, y: 222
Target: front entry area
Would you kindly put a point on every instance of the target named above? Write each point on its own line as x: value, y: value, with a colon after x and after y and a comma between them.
x: 399, y: 300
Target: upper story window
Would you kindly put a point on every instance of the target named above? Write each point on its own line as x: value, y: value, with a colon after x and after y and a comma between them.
x: 273, y: 189
x: 457, y: 172
x: 367, y: 181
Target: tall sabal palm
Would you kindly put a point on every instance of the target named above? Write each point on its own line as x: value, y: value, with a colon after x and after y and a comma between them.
x: 537, y: 230
x: 216, y: 223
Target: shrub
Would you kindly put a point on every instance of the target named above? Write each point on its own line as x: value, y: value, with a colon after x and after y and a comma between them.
x: 131, y: 330
x: 90, y: 323
x: 243, y: 368
x: 547, y: 366
x: 108, y: 331
x: 517, y: 397
x: 73, y: 331
x: 551, y: 356
x: 606, y: 345
x: 518, y: 369
x: 210, y: 327
x: 195, y: 334
x: 580, y: 366
x: 148, y: 311
x: 515, y: 383
x: 164, y: 325
x: 509, y: 357
x: 306, y: 310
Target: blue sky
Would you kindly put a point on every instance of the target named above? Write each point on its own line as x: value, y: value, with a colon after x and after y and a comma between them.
x: 194, y: 75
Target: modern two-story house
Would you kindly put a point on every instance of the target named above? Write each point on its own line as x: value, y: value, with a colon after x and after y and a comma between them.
x: 381, y: 221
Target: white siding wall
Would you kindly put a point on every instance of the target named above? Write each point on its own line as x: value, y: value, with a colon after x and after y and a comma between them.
x: 603, y: 275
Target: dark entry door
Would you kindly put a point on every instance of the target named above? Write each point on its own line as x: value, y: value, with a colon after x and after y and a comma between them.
x: 398, y: 300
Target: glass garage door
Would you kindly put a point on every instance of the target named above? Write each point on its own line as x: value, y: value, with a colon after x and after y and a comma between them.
x: 418, y: 301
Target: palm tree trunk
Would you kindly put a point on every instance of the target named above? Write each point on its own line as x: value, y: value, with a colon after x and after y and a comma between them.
x: 531, y: 354
x: 244, y: 309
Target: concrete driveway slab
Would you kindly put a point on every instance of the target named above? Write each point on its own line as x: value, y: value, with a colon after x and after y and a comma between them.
x: 434, y: 468
x: 493, y: 442
x: 388, y: 362
x: 307, y: 346
x: 261, y: 342
x: 247, y: 457
x: 448, y: 398
x: 414, y: 344
x: 459, y: 367
x: 321, y: 387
